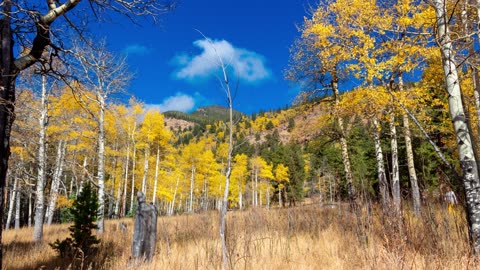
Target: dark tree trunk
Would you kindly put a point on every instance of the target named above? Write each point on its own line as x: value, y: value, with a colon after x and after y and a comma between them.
x: 145, y: 230
x: 7, y: 99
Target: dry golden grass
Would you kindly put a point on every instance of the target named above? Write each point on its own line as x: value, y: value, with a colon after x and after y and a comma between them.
x: 305, y: 237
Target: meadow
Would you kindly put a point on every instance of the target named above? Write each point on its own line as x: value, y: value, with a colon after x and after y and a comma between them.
x: 302, y: 237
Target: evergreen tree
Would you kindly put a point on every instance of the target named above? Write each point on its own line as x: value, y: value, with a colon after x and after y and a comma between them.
x: 296, y: 173
x: 269, y: 125
x: 291, y: 124
x: 85, y: 213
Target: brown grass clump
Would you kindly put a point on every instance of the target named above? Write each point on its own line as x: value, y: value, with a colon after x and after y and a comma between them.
x: 305, y: 237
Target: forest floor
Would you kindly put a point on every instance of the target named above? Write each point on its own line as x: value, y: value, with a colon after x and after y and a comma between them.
x: 303, y: 237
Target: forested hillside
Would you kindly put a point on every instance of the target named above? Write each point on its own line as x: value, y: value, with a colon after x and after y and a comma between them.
x: 285, y: 155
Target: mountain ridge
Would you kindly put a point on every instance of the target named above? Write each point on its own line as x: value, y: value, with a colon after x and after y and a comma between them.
x: 204, y: 115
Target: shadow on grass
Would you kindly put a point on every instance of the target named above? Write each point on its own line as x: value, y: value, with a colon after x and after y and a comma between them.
x: 94, y: 259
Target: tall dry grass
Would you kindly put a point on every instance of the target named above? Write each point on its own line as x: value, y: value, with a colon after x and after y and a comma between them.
x: 305, y: 237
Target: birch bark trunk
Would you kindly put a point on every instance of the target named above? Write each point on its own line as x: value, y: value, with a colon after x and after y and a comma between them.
x: 101, y: 164
x: 29, y: 208
x: 134, y: 161
x: 192, y: 182
x: 382, y: 179
x: 267, y: 197
x: 118, y: 194
x: 42, y: 163
x: 125, y: 183
x: 11, y: 204
x: 223, y: 215
x: 118, y: 199
x: 174, y: 197
x: 17, y: 207
x: 84, y: 176
x: 466, y: 155
x: 344, y: 146
x: 57, y: 174
x: 145, y: 170
x: 256, y: 188
x: 395, y: 172
x: 157, y: 161
x: 417, y: 202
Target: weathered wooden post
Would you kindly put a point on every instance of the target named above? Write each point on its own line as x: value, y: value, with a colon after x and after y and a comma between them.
x: 145, y: 230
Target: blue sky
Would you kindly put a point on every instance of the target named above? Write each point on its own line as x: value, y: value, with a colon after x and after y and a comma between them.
x: 175, y: 67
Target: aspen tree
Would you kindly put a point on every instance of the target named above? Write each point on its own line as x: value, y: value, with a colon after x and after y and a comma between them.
x: 470, y: 178
x: 42, y: 166
x: 106, y: 74
x: 239, y: 175
x: 37, y: 33
x: 281, y: 176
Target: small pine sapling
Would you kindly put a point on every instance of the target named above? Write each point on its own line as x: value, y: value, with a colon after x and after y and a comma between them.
x: 85, y: 212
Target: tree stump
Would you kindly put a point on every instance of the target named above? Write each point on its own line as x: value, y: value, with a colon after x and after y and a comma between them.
x: 145, y: 230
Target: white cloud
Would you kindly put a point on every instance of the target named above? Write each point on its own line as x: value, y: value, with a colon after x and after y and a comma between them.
x: 248, y: 65
x: 137, y: 49
x: 179, y: 102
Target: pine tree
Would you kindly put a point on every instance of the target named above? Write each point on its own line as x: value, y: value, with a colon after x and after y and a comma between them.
x: 85, y: 214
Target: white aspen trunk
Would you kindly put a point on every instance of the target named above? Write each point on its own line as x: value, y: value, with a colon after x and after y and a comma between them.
x: 57, y: 174
x: 253, y: 188
x: 205, y: 195
x: 192, y: 178
x: 438, y: 151
x: 382, y: 179
x: 125, y: 183
x: 417, y: 202
x: 466, y: 155
x: 346, y: 161
x: 256, y: 188
x: 117, y: 195
x: 395, y: 173
x: 268, y: 197
x: 279, y: 197
x: 101, y: 165
x: 169, y: 208
x: 145, y: 170
x: 118, y: 199
x: 70, y: 188
x: 42, y: 163
x: 223, y: 215
x: 29, y: 208
x: 174, y: 196
x: 17, y: 207
x: 84, y: 176
x: 344, y: 146
x: 11, y: 204
x: 156, y: 176
x: 240, y: 195
x: 133, y: 177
